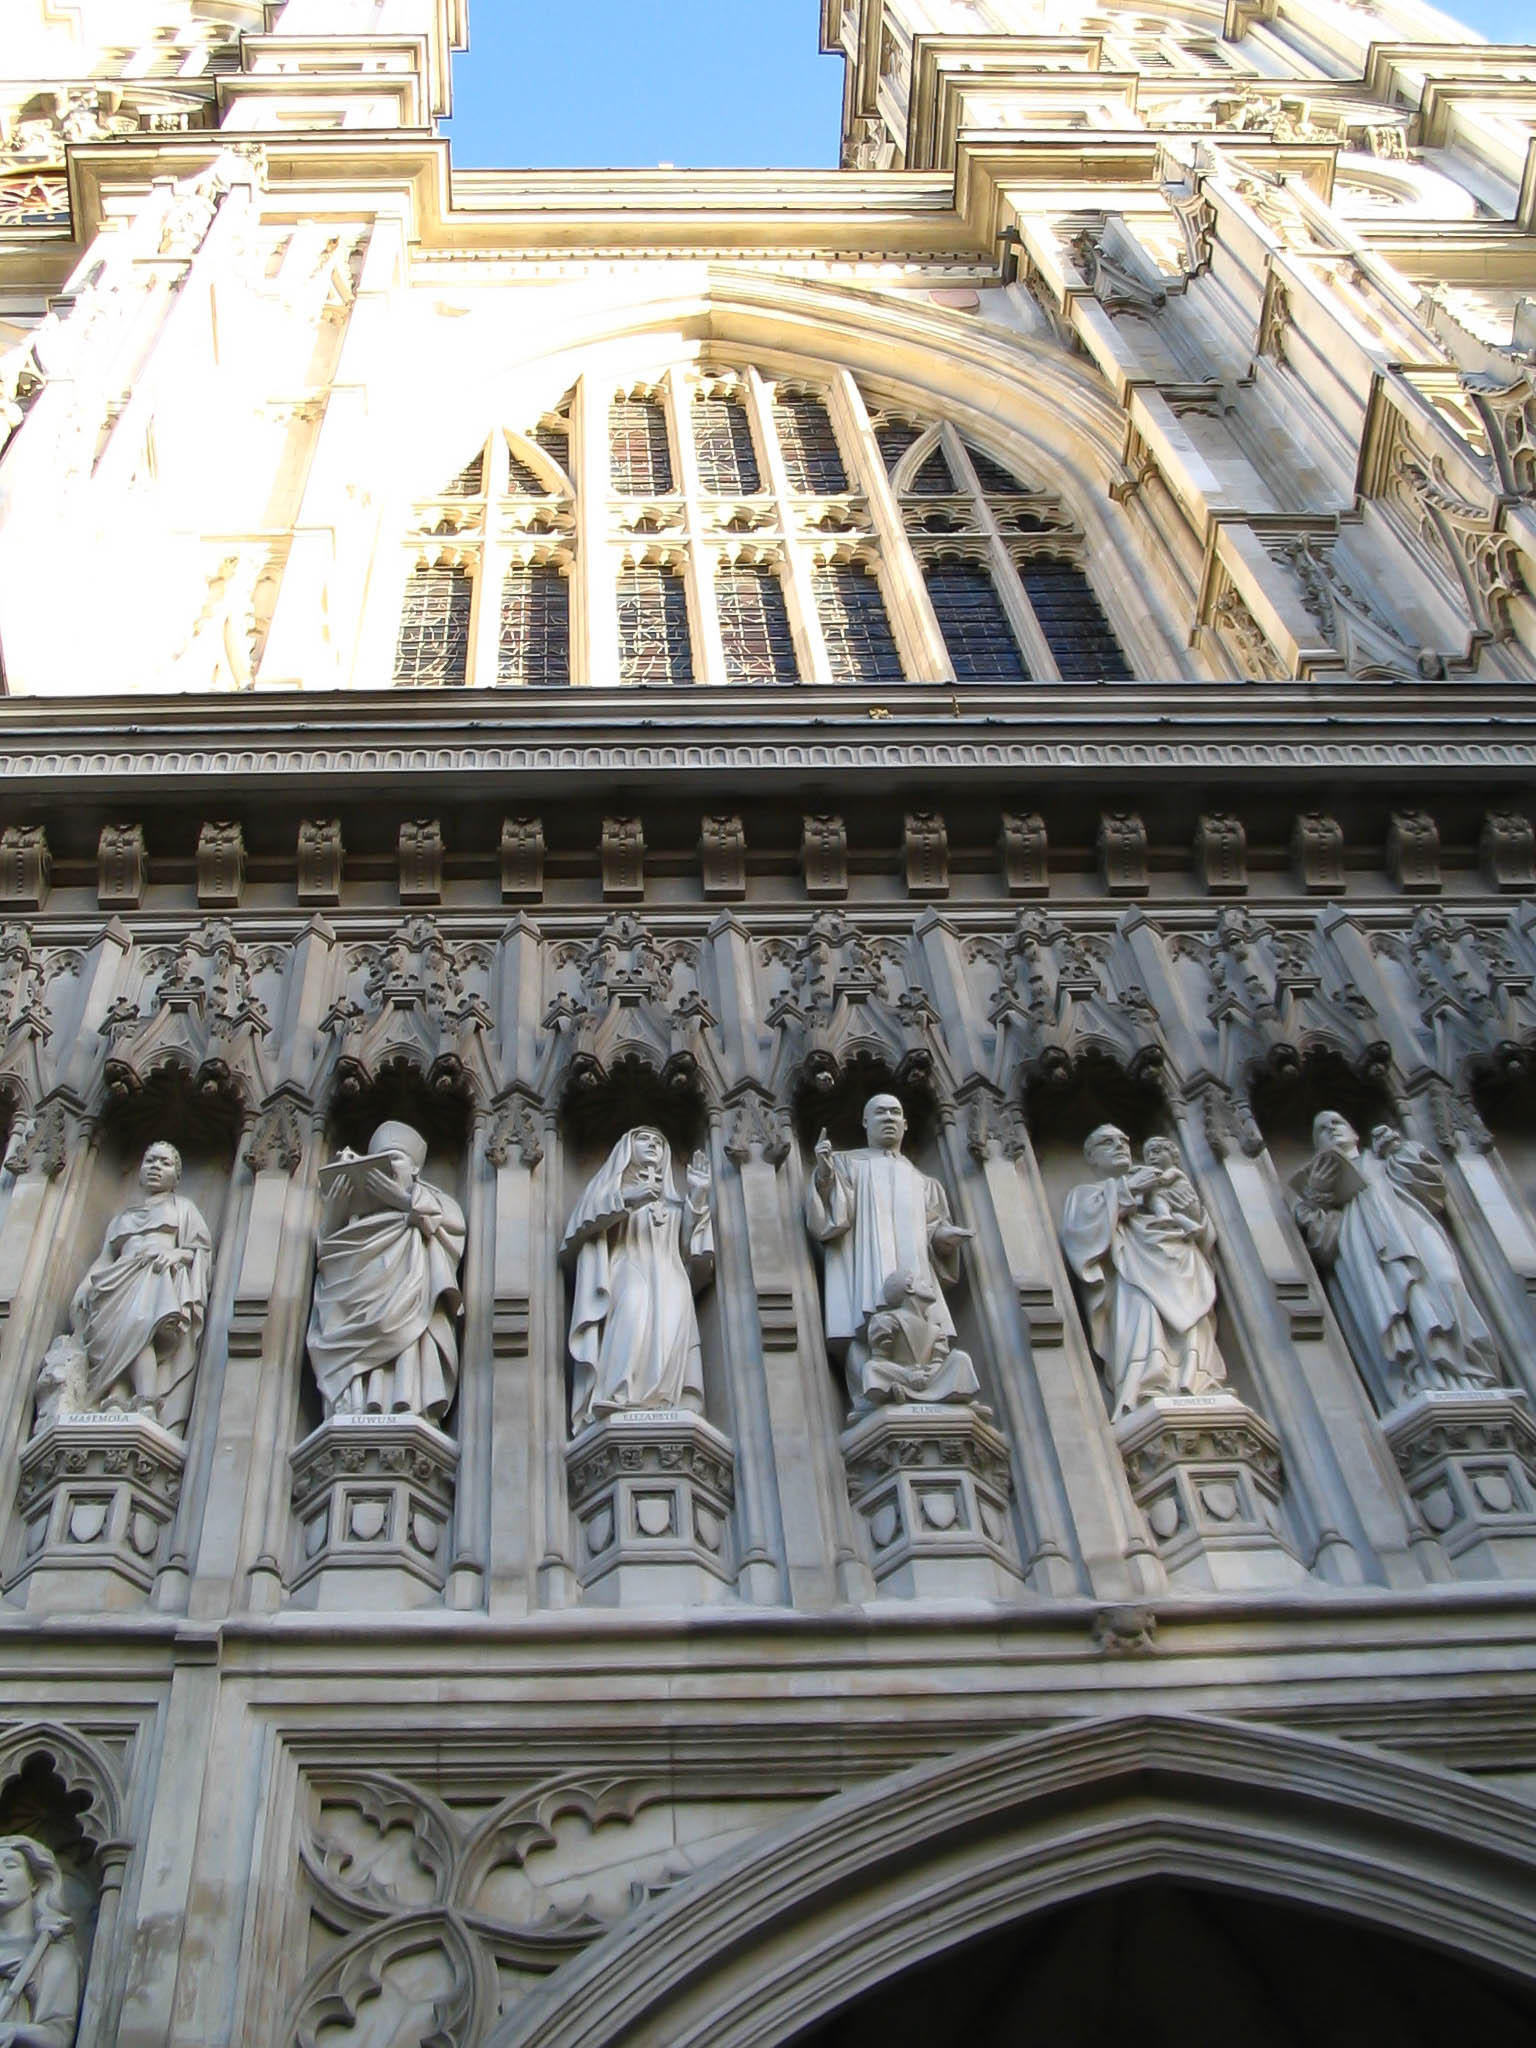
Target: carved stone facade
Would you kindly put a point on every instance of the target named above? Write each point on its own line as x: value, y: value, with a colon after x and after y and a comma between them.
x: 670, y: 1345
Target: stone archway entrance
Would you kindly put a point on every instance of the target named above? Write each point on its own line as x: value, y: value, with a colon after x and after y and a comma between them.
x: 1163, y: 1965
x: 1208, y: 1879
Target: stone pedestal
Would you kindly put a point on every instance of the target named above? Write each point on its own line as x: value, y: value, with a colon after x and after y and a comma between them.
x: 98, y: 1493
x: 652, y: 1490
x: 373, y: 1501
x: 1205, y: 1471
x: 932, y: 1484
x: 1468, y: 1457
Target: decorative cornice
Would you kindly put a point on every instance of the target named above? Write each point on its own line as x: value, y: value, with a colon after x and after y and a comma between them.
x: 301, y: 743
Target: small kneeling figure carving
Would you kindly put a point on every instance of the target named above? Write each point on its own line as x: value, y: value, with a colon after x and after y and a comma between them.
x: 39, y: 1962
x: 641, y: 1253
x: 381, y: 1328
x: 1140, y: 1241
x: 1371, y: 1221
x: 136, y: 1317
x: 888, y: 1241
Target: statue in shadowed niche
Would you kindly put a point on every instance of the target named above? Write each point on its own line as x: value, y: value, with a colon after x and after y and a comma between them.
x: 1140, y: 1242
x: 640, y: 1251
x: 381, y: 1328
x: 1371, y: 1221
x: 39, y: 1962
x: 137, y: 1316
x: 888, y: 1241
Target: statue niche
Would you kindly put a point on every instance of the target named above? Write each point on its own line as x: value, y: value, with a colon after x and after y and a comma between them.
x: 137, y: 1317
x: 101, y: 1474
x: 651, y: 1482
x: 1204, y: 1469
x: 1371, y: 1220
x: 640, y: 1252
x: 1140, y: 1242
x: 888, y: 1243
x: 1464, y: 1442
x: 382, y: 1336
x: 928, y: 1475
x: 373, y: 1485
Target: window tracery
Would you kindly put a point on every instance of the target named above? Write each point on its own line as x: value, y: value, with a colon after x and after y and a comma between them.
x: 733, y: 529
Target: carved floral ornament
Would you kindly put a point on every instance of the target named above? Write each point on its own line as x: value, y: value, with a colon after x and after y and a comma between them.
x: 439, y: 1915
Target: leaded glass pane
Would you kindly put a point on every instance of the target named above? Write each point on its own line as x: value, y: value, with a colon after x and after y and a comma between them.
x: 860, y: 644
x: 933, y: 479
x: 754, y: 625
x: 812, y: 459
x: 653, y: 627
x: 975, y: 626
x: 556, y: 443
x: 522, y: 482
x: 469, y: 482
x: 993, y: 478
x: 723, y: 436
x: 535, y: 638
x: 1073, y: 622
x: 894, y: 438
x: 637, y: 439
x: 433, y: 646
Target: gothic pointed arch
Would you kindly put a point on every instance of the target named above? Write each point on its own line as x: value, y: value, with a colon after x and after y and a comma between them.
x: 920, y: 500
x: 846, y: 1897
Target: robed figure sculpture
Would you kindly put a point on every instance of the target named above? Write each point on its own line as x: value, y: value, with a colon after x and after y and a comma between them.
x: 1372, y: 1222
x: 640, y: 1252
x: 39, y: 1959
x: 381, y: 1328
x: 1141, y: 1244
x: 888, y: 1242
x: 137, y: 1316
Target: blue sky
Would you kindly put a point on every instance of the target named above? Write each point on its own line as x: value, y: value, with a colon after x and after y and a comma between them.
x: 690, y: 82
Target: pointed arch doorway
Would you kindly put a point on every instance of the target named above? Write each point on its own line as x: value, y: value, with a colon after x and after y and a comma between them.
x: 1256, y: 1848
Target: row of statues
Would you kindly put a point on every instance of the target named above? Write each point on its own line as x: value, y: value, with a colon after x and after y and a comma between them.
x: 382, y: 1335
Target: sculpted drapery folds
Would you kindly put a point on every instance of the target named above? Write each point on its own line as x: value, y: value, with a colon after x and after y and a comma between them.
x: 1140, y: 1242
x: 889, y: 1242
x: 39, y: 1962
x: 381, y: 1328
x: 137, y: 1316
x: 1371, y: 1221
x: 640, y: 1253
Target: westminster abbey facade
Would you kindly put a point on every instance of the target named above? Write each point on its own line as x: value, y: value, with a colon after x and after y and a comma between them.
x: 768, y: 1043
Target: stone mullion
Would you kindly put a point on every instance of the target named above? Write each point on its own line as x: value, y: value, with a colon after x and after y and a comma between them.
x: 924, y: 657
x: 548, y: 1417
x: 594, y: 613
x: 799, y: 582
x: 279, y: 1364
x: 103, y: 1963
x: 760, y: 1565
x: 1033, y: 645
x: 469, y: 1564
x: 44, y: 1214
x: 518, y: 1252
x: 1053, y: 1553
x: 1074, y: 1503
x: 490, y: 570
x: 699, y: 561
x: 48, y: 1223
x: 821, y: 1400
x: 1338, y: 1471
